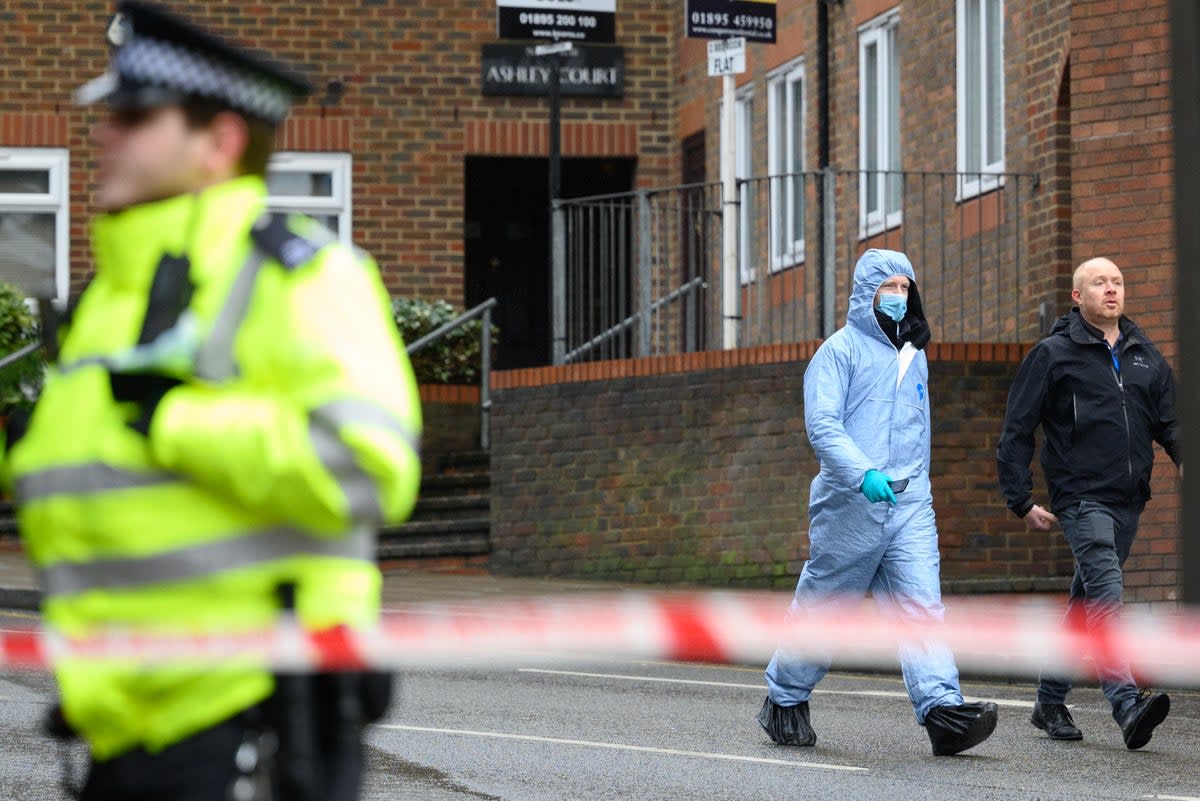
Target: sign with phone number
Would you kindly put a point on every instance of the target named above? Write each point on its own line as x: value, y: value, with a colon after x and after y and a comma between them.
x: 581, y: 21
x: 723, y: 19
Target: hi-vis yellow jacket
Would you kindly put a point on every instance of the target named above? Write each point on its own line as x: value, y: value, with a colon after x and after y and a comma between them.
x: 292, y: 437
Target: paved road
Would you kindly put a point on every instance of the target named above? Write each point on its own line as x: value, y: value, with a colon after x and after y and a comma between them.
x: 651, y: 731
x: 662, y: 732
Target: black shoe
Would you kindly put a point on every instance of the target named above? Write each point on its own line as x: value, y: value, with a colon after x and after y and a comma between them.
x: 787, y: 725
x: 1055, y: 720
x: 1139, y: 720
x: 956, y: 728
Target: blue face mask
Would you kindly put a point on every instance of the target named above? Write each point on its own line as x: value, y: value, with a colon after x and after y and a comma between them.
x: 893, y: 306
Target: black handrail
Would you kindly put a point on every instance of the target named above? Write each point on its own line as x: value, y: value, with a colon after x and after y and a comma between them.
x: 485, y: 347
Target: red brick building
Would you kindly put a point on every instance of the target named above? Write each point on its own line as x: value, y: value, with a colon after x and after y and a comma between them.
x: 399, y: 148
x: 1068, y: 100
x: 1039, y: 128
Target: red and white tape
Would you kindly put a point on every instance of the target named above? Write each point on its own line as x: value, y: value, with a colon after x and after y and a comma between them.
x: 1005, y: 638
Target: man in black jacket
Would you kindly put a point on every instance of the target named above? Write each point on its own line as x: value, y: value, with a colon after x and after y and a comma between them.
x: 1103, y: 395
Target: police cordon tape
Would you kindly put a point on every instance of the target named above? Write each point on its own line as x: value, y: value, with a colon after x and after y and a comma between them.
x: 1011, y: 637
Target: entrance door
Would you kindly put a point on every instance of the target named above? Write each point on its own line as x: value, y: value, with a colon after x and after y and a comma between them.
x: 507, y: 242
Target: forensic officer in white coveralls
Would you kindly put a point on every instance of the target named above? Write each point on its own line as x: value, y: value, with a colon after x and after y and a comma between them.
x: 871, y: 521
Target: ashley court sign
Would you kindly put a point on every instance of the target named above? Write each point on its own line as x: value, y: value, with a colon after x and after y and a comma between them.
x: 588, y: 71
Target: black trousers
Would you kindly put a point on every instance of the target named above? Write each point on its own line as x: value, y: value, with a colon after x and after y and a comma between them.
x: 228, y: 762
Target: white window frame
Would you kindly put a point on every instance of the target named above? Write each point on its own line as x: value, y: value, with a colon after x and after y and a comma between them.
x: 979, y: 122
x: 880, y: 202
x: 787, y: 88
x: 338, y: 204
x: 743, y: 168
x: 56, y: 162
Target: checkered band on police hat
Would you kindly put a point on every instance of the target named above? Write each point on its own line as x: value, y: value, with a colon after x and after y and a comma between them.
x: 160, y: 57
x: 179, y: 68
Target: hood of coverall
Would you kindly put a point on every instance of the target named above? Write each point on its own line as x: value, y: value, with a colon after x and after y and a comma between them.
x: 874, y: 267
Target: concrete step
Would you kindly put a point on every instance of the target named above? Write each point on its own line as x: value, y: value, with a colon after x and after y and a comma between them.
x: 438, y: 526
x: 441, y: 485
x: 452, y: 515
x: 432, y: 538
x: 450, y: 518
x: 477, y: 461
x: 450, y: 507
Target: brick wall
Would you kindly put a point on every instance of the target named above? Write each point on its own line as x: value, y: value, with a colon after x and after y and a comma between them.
x: 1035, y: 52
x: 1123, y: 208
x: 1043, y: 35
x: 1037, y: 129
x: 450, y: 414
x: 696, y: 469
x: 1087, y: 96
x: 411, y: 112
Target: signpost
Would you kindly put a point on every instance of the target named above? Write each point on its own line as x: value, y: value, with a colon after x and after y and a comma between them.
x: 729, y: 23
x: 727, y: 58
x: 555, y: 53
x: 565, y: 23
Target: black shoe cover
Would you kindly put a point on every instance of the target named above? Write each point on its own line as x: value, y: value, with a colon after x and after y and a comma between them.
x: 787, y: 725
x: 956, y: 728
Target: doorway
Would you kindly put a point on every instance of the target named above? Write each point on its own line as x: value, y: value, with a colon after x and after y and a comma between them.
x: 507, y: 242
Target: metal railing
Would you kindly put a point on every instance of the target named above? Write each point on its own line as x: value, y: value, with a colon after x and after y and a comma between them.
x: 634, y: 271
x: 641, y: 318
x: 624, y: 259
x: 485, y: 354
x: 485, y: 373
x: 19, y: 354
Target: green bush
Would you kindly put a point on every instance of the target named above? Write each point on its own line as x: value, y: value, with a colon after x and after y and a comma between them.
x: 453, y: 359
x: 21, y: 381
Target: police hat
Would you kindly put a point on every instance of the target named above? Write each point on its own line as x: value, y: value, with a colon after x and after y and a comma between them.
x: 161, y: 59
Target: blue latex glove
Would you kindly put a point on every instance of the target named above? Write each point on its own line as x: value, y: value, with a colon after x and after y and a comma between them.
x: 876, y: 487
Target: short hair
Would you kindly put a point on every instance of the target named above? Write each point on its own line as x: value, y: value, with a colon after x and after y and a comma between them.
x: 200, y: 112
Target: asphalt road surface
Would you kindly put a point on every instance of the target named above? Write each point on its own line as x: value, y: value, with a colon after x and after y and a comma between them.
x: 655, y: 731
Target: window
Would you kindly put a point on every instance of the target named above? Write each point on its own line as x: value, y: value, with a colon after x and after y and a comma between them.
x: 880, y: 182
x: 316, y: 184
x: 34, y: 232
x: 743, y: 168
x: 980, y: 32
x: 785, y: 164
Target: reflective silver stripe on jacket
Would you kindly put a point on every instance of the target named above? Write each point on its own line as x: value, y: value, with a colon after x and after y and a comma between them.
x: 70, y: 367
x: 339, y: 459
x: 199, y: 561
x: 84, y: 479
x: 214, y: 360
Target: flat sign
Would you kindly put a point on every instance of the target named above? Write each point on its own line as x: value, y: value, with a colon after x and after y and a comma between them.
x: 589, y: 71
x: 727, y: 56
x: 724, y: 19
x: 590, y: 21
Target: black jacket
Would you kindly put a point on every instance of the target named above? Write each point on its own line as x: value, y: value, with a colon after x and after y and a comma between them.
x: 1099, y: 427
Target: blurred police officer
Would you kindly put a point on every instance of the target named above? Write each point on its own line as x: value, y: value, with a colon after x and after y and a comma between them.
x: 231, y: 416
